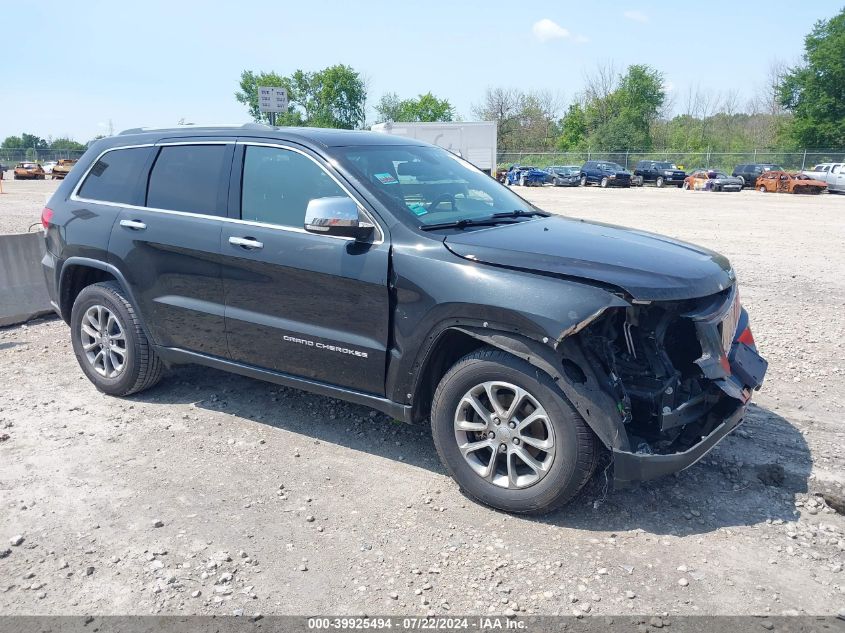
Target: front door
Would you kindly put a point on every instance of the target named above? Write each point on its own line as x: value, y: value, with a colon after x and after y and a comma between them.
x: 168, y: 246
x: 309, y: 305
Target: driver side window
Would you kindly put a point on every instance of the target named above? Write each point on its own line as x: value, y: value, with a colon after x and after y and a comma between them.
x: 277, y: 185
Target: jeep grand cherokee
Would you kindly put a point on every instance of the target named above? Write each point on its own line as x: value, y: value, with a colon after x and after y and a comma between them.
x: 393, y: 274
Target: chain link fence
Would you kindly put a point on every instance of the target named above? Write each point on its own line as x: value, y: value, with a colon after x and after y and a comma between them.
x: 10, y: 156
x: 726, y: 161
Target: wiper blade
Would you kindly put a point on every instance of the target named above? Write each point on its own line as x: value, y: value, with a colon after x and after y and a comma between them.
x: 519, y: 213
x: 463, y: 223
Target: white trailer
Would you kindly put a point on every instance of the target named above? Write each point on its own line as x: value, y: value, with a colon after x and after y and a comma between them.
x: 473, y: 141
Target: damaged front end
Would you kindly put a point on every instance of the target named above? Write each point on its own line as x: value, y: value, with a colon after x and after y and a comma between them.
x: 680, y: 374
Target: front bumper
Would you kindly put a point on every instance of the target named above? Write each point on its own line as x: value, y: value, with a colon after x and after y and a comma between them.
x: 731, y: 362
x: 630, y: 467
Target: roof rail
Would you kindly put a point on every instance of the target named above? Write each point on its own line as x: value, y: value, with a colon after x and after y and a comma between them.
x: 189, y: 126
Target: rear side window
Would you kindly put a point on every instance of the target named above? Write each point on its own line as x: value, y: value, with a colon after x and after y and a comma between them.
x: 115, y: 176
x: 278, y: 184
x: 188, y: 178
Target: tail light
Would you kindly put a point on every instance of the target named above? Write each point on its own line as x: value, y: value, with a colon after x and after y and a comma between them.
x: 46, y: 216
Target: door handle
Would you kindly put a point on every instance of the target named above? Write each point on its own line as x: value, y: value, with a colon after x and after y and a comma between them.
x: 248, y: 243
x: 135, y: 225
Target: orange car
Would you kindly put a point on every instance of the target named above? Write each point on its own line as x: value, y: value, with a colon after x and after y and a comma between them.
x: 788, y: 182
x: 62, y: 168
x: 29, y: 171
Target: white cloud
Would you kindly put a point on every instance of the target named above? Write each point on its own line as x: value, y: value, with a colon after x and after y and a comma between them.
x: 636, y: 16
x: 546, y: 29
x: 668, y: 86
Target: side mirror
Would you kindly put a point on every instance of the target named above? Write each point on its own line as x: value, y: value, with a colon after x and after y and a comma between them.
x: 336, y: 216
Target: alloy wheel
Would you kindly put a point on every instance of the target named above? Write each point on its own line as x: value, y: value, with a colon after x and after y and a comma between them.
x: 504, y: 434
x: 103, y: 341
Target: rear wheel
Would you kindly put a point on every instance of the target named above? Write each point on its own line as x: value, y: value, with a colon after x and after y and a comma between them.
x: 508, y: 436
x: 109, y: 342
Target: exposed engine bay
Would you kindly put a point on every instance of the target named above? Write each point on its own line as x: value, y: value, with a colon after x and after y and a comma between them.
x: 670, y: 367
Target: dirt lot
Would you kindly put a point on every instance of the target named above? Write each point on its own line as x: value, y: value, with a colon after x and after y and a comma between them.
x: 217, y: 494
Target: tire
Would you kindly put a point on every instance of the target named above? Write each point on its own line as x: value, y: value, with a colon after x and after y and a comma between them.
x: 685, y: 186
x: 659, y: 182
x: 762, y: 189
x: 566, y: 469
x: 522, y: 181
x: 741, y: 181
x: 141, y: 368
x: 583, y: 181
x: 604, y: 182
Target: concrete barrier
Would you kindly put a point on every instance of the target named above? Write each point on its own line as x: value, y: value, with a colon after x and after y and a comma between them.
x: 23, y: 292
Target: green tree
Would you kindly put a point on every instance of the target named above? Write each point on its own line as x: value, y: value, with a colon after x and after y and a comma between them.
x: 573, y: 129
x: 815, y: 92
x: 25, y: 140
x: 66, y: 143
x: 621, y: 118
x: 426, y: 107
x: 332, y: 97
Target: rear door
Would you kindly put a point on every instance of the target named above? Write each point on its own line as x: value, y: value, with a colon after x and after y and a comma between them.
x: 836, y: 178
x: 313, y: 306
x: 168, y: 246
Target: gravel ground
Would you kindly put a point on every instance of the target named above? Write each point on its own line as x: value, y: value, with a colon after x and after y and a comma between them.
x: 216, y: 494
x: 22, y: 201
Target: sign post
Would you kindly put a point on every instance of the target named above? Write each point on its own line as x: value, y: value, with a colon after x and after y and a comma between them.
x: 272, y: 100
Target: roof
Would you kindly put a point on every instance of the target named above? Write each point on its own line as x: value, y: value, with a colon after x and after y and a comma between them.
x: 324, y: 137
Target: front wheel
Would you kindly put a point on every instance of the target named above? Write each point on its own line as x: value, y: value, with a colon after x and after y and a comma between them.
x: 659, y: 182
x: 604, y: 182
x: 762, y: 189
x: 583, y: 181
x: 685, y: 185
x: 109, y: 342
x: 508, y: 436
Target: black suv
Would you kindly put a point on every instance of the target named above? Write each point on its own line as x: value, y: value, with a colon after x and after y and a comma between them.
x: 605, y: 174
x: 659, y: 172
x: 751, y: 171
x: 393, y: 274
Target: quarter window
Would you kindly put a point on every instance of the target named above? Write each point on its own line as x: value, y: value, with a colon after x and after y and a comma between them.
x: 115, y: 176
x: 188, y: 178
x: 278, y: 184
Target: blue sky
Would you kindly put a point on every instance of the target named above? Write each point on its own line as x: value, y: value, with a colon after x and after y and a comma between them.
x: 71, y: 67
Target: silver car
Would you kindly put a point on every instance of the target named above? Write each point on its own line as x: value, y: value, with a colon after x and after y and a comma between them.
x: 564, y: 175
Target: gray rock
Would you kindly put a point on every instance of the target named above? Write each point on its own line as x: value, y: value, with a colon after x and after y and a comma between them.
x: 683, y: 582
x: 157, y: 523
x: 16, y: 540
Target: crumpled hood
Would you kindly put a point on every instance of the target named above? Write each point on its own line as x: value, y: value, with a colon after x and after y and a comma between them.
x: 647, y: 266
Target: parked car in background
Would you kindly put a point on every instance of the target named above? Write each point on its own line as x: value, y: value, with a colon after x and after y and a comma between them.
x: 712, y: 180
x: 564, y: 175
x: 832, y: 174
x: 29, y: 171
x: 63, y: 167
x: 660, y: 173
x: 526, y: 176
x: 786, y: 182
x: 48, y: 166
x: 749, y: 172
x: 605, y: 174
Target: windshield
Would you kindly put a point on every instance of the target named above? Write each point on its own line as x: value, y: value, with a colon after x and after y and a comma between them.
x: 429, y: 183
x: 664, y: 166
x: 566, y: 171
x: 613, y: 167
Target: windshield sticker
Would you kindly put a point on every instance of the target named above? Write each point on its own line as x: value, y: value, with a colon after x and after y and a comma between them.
x: 386, y: 179
x: 418, y: 209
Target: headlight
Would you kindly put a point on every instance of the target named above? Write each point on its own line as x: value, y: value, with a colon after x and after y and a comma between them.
x: 668, y: 172
x: 612, y: 176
